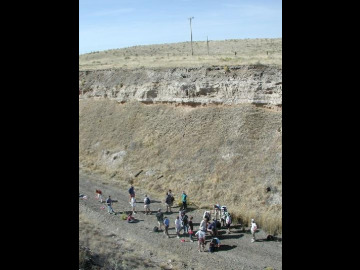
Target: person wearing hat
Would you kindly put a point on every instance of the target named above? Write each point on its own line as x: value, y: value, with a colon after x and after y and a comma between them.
x: 253, y: 230
x: 160, y: 218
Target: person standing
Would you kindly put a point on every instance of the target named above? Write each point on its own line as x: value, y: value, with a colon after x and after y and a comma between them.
x: 109, y: 205
x: 131, y: 192
x: 147, y: 205
x: 166, y: 225
x: 228, y: 222
x: 184, y: 221
x: 191, y: 229
x: 177, y: 226
x: 133, y: 205
x: 99, y: 195
x: 169, y: 202
x: 201, y: 240
x: 203, y: 224
x: 160, y: 218
x: 253, y: 230
x: 184, y: 201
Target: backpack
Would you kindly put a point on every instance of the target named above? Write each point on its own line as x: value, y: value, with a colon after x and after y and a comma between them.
x: 169, y: 199
x: 147, y: 200
x: 155, y: 229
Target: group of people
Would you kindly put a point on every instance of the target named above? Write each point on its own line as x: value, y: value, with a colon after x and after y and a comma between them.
x: 182, y: 220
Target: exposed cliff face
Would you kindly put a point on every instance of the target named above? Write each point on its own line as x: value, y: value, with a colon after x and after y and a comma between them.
x: 218, y: 85
x: 224, y: 147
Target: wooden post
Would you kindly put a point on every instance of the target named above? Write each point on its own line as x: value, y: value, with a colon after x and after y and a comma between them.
x: 192, y: 52
x: 207, y: 44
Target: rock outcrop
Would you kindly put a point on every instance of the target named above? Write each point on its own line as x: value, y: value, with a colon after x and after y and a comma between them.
x: 260, y: 85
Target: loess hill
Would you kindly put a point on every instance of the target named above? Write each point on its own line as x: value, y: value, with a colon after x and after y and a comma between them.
x: 213, y: 129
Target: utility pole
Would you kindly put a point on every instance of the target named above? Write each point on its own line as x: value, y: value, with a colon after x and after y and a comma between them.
x: 207, y: 44
x: 192, y: 52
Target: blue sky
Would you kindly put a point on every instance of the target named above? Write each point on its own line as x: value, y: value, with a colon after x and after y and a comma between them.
x: 112, y: 24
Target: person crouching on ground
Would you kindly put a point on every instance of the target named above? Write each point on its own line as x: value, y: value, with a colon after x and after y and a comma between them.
x: 147, y: 205
x: 253, y: 230
x: 166, y: 225
x: 160, y: 218
x: 130, y: 218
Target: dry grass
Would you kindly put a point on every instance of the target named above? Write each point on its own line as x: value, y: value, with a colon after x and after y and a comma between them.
x: 248, y: 51
x: 216, y: 154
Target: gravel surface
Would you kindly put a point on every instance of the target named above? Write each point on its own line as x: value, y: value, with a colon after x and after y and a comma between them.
x: 155, y: 250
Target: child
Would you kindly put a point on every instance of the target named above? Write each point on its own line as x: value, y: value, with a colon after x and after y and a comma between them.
x: 201, y: 240
x: 191, y: 229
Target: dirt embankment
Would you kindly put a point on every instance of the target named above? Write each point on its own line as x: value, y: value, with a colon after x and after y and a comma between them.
x: 212, y: 132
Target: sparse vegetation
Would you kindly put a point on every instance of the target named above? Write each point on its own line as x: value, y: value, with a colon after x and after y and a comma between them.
x: 248, y: 51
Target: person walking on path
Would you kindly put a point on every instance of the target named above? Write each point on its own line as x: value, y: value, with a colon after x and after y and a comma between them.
x: 201, y: 240
x: 166, y: 225
x: 147, y: 205
x: 191, y: 229
x: 131, y: 192
x: 133, y: 205
x: 160, y: 218
x: 184, y: 201
x: 253, y: 230
x: 109, y: 205
x: 177, y: 226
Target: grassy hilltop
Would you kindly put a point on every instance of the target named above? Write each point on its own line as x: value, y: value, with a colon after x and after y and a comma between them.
x: 248, y: 51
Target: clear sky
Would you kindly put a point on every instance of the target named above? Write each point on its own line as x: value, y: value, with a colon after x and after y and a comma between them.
x: 112, y: 24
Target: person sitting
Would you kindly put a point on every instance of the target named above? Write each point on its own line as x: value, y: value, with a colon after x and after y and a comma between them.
x: 214, y: 244
x: 130, y: 218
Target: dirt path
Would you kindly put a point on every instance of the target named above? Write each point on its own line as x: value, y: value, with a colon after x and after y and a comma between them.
x: 139, y: 247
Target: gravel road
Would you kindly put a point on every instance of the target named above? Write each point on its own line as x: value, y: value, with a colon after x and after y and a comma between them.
x: 155, y: 250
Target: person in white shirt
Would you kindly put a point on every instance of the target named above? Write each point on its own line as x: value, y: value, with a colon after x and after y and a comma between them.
x: 133, y: 204
x: 177, y: 226
x: 201, y: 240
x: 253, y: 230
